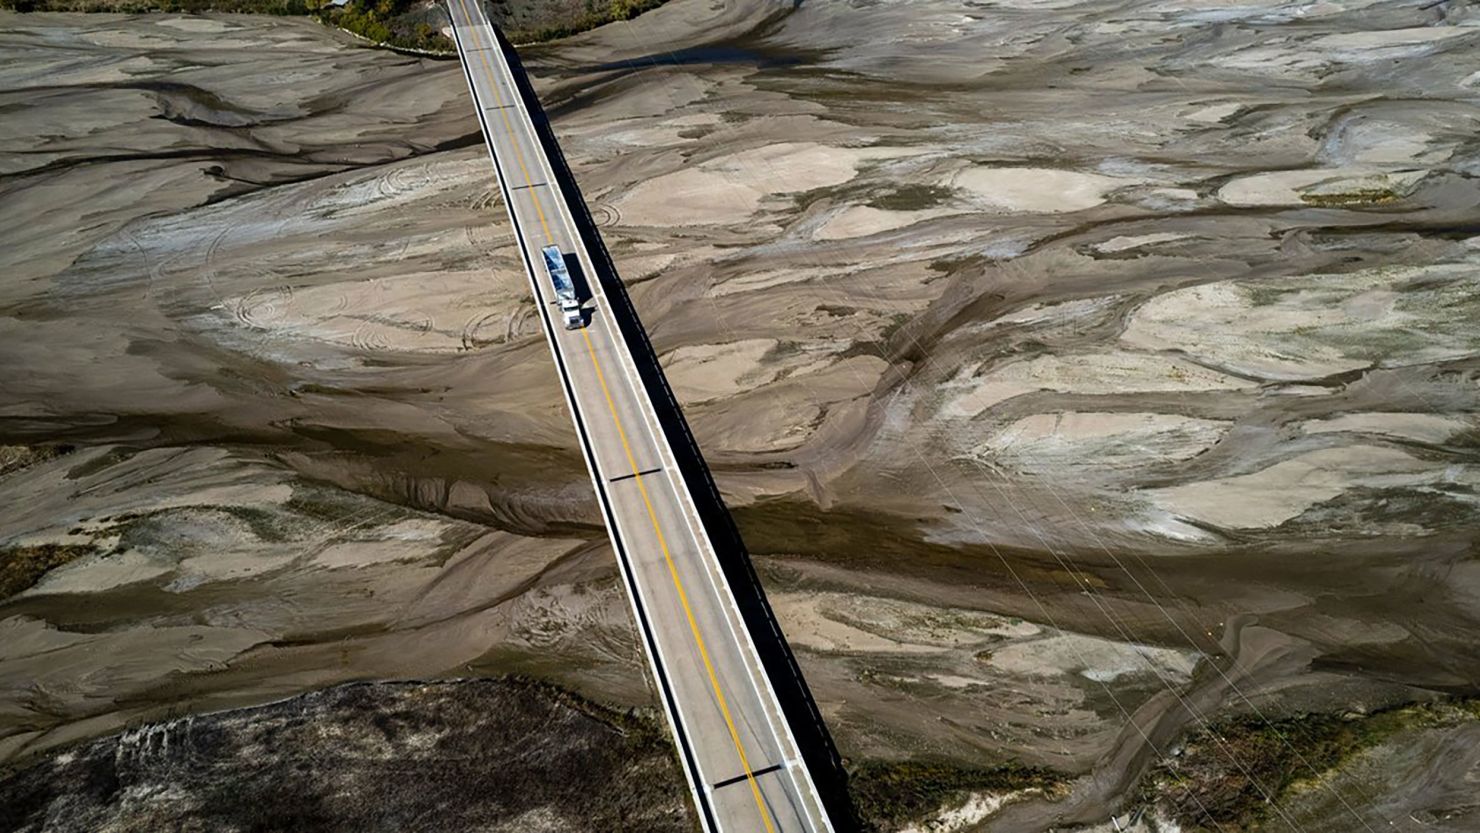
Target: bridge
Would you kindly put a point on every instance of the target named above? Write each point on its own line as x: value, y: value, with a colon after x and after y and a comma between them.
x: 716, y: 656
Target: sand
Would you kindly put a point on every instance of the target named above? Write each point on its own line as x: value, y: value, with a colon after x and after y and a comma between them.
x: 1313, y: 326
x: 1307, y: 187
x: 1124, y: 243
x: 865, y: 221
x: 1034, y: 190
x: 1286, y: 489
x: 1076, y: 441
x: 710, y: 371
x: 1060, y: 323
x: 1096, y: 373
x: 1068, y: 654
x: 1424, y: 428
x: 729, y: 188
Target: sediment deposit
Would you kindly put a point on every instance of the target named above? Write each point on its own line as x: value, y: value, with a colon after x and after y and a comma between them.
x: 1081, y: 373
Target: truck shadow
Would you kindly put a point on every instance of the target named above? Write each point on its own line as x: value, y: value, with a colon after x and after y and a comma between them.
x: 816, y: 744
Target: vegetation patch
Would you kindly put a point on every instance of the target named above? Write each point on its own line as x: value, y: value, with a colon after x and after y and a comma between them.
x: 161, y: 527
x: 399, y: 24
x: 595, y: 13
x: 14, y: 458
x: 1346, y: 199
x: 1202, y: 789
x: 108, y: 459
x: 848, y: 193
x: 278, y: 7
x: 887, y: 794
x: 948, y: 266
x: 472, y: 755
x: 911, y: 198
x: 405, y: 24
x: 22, y: 566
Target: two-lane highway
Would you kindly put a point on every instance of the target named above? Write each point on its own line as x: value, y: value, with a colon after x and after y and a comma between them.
x: 739, y: 755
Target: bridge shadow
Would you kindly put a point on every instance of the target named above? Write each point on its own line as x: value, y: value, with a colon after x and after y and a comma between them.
x: 816, y: 744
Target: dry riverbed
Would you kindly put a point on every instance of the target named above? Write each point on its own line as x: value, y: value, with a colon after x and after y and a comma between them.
x: 1084, y: 375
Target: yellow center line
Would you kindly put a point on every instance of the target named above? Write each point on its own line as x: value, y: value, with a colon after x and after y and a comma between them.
x: 683, y: 598
x: 509, y: 128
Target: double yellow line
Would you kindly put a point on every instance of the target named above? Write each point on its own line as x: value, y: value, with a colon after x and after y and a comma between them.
x: 683, y: 597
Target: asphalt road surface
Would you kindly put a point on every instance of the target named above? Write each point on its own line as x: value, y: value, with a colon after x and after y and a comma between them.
x: 740, y: 757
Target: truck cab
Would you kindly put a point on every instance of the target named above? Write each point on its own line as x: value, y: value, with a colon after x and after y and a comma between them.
x: 565, y: 290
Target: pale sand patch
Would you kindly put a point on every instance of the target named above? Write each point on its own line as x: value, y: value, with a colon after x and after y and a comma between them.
x: 1127, y: 242
x: 730, y: 188
x: 403, y: 184
x: 917, y: 624
x: 766, y: 279
x: 1097, y: 659
x: 365, y: 553
x: 1277, y: 188
x: 1214, y: 113
x: 1095, y: 373
x: 967, y: 814
x: 110, y: 664
x: 405, y: 540
x: 641, y: 133
x: 1312, y: 326
x: 864, y: 220
x: 202, y: 25
x: 1053, y: 442
x: 1384, y: 142
x: 22, y: 636
x: 1053, y: 312
x: 808, y: 626
x: 953, y: 680
x: 1035, y: 190
x: 1359, y: 45
x: 764, y: 423
x: 230, y: 562
x: 213, y: 477
x: 702, y: 372
x: 849, y: 622
x: 646, y: 266
x: 692, y: 196
x: 1167, y: 199
x: 1156, y: 521
x: 1288, y: 56
x: 1286, y: 489
x: 97, y: 573
x: 433, y: 312
x: 1427, y: 428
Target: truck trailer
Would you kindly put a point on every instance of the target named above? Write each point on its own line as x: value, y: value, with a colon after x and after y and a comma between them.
x: 565, y: 291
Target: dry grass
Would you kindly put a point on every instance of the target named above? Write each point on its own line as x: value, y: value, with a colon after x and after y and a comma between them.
x: 1202, y: 789
x: 23, y: 566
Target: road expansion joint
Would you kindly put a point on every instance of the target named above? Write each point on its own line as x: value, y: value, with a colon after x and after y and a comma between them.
x: 643, y: 473
x: 741, y: 778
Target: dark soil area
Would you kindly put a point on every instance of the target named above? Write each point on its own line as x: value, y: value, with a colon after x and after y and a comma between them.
x: 23, y: 566
x: 402, y: 24
x: 888, y: 794
x: 452, y: 756
x: 1239, y: 774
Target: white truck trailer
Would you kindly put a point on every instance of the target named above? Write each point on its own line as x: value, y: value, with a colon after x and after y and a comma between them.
x: 565, y: 291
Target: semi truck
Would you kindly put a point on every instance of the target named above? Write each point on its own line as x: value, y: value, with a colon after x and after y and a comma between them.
x: 565, y: 291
